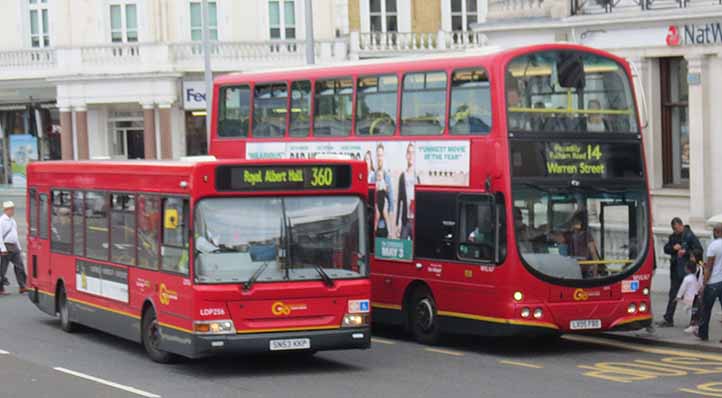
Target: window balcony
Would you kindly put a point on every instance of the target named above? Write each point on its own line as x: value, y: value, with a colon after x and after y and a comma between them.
x: 383, y: 44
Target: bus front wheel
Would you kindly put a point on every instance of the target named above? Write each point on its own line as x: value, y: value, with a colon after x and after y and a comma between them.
x: 423, y: 317
x: 63, y: 312
x: 151, y: 338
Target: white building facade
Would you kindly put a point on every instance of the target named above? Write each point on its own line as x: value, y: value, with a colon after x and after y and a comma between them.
x: 123, y: 79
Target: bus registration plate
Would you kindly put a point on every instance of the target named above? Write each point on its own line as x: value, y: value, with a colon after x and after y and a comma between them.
x: 585, y: 324
x: 290, y: 344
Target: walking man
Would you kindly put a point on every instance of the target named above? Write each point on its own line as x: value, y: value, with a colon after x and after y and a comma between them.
x: 10, y: 249
x: 681, y: 243
x: 712, y: 287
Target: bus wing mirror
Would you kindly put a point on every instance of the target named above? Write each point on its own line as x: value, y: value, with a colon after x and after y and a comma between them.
x: 639, y: 88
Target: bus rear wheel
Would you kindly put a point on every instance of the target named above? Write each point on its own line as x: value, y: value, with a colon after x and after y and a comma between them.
x: 64, y: 313
x: 423, y: 317
x: 150, y: 334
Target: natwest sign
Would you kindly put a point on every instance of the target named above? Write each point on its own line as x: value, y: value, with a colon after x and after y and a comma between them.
x: 694, y: 34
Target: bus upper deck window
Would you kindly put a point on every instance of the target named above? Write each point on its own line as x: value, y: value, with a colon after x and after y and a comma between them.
x: 470, y: 102
x: 376, y: 105
x: 300, y: 122
x: 423, y: 103
x: 269, y: 110
x: 333, y: 111
x: 234, y: 111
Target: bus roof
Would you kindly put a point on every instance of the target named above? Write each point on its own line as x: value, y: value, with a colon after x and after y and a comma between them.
x: 402, y: 63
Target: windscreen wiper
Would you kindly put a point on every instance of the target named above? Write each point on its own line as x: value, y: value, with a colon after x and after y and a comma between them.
x: 326, y: 279
x: 247, y: 285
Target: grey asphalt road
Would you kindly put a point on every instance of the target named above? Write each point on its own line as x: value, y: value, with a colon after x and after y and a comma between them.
x: 394, y: 367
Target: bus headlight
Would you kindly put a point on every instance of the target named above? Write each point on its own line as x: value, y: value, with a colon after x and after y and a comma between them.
x: 632, y: 308
x: 354, y: 320
x: 538, y: 313
x: 525, y: 312
x: 518, y: 296
x: 642, y: 307
x: 645, y: 291
x: 224, y: 326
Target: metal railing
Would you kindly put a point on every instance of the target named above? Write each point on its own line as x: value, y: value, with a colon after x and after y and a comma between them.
x: 591, y: 7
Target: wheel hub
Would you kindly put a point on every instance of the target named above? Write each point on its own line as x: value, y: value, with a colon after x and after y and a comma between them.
x: 425, y: 314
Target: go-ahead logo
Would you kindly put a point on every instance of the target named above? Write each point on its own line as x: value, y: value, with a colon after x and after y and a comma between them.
x: 673, y: 39
x: 580, y: 295
x: 279, y: 308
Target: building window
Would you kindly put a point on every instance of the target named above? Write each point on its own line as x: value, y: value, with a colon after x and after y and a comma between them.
x: 197, y: 21
x: 282, y: 19
x: 383, y: 16
x: 675, y: 126
x: 123, y: 22
x: 463, y: 14
x: 39, y: 31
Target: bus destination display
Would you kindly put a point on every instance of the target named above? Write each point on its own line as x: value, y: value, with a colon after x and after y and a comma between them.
x: 252, y: 178
x: 574, y: 159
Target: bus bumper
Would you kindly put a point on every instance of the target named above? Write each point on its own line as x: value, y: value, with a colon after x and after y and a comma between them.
x: 256, y: 343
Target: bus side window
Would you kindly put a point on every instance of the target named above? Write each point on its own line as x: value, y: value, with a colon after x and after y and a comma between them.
x: 234, y: 111
x: 61, y: 240
x: 122, y: 229
x: 33, y: 211
x: 300, y: 117
x: 96, y: 225
x: 436, y: 229
x: 43, y: 216
x: 148, y: 225
x: 477, y: 228
x: 174, y: 251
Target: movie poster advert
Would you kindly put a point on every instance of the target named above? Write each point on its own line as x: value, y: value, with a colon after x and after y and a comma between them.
x: 23, y: 150
x: 394, y: 168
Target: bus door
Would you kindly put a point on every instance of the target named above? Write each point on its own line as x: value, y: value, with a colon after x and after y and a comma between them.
x: 173, y: 285
x: 457, y: 237
x: 38, y: 244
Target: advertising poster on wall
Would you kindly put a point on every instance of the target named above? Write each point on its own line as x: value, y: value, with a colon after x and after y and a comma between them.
x: 394, y: 168
x: 23, y: 149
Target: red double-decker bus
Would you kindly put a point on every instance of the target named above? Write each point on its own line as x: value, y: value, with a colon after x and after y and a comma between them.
x: 199, y: 258
x: 507, y: 187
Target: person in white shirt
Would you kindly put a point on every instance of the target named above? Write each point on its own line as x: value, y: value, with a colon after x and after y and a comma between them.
x: 712, y: 288
x: 10, y: 249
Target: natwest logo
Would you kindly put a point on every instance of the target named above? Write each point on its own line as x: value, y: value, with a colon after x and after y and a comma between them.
x: 673, y: 36
x: 692, y: 34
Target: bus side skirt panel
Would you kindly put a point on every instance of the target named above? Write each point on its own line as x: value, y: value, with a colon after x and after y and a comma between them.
x: 490, y: 329
x: 44, y: 302
x: 120, y: 325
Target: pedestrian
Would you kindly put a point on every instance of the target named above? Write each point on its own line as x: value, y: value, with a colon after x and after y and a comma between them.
x: 711, y: 289
x: 10, y: 249
x: 689, y: 290
x: 680, y: 244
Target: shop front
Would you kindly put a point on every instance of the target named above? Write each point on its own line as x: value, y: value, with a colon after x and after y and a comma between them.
x: 194, y: 106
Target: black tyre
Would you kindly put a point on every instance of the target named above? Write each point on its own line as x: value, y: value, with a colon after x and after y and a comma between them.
x: 150, y: 334
x: 64, y: 312
x: 423, y: 318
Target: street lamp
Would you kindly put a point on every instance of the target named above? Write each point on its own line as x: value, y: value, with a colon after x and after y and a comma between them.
x: 207, y: 69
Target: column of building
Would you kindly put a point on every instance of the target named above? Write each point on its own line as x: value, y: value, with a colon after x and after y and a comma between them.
x: 74, y: 133
x: 697, y: 119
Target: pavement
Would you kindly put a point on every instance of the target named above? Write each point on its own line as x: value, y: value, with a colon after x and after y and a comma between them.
x: 675, y: 336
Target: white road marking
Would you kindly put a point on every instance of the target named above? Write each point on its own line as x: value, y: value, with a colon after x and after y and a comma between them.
x: 447, y: 352
x: 2, y: 352
x: 381, y: 341
x: 108, y: 383
x: 522, y: 364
